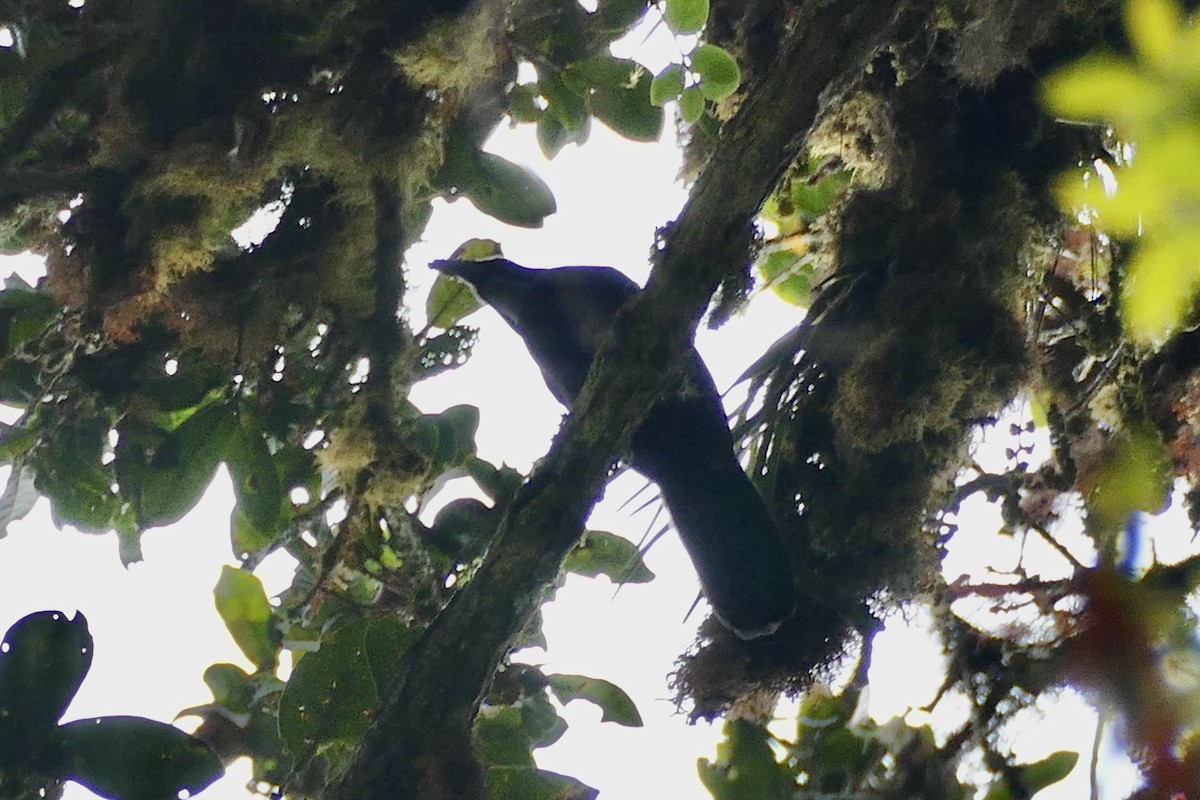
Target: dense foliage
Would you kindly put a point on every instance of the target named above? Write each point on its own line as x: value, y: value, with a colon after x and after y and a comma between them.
x: 888, y: 165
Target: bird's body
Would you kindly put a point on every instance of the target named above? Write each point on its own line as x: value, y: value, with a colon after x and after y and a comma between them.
x: 683, y: 444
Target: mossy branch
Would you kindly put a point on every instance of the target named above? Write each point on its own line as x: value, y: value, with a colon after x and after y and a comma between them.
x: 420, y: 742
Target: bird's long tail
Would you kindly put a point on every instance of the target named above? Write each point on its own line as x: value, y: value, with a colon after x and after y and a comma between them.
x: 734, y: 543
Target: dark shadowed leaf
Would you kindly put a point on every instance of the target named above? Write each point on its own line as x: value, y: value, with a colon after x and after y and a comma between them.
x: 131, y: 758
x: 42, y: 664
x: 522, y: 103
x: 183, y: 466
x: 1050, y: 770
x: 256, y: 483
x: 617, y: 15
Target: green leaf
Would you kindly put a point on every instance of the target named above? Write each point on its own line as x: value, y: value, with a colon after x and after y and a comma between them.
x: 246, y: 538
x: 1050, y: 770
x: 745, y: 768
x: 667, y: 85
x: 603, y: 553
x: 617, y: 16
x: 230, y: 686
x: 788, y: 275
x: 597, y: 71
x: 191, y: 383
x: 814, y: 199
x: 256, y: 483
x: 131, y: 758
x: 18, y: 382
x: 449, y: 301
x: 501, y: 483
x: 562, y: 102
x: 522, y: 103
x: 463, y: 529
x: 44, y: 660
x: 628, y: 110
x: 691, y: 104
x: 615, y: 704
x: 510, y: 192
x: 500, y: 734
x: 24, y: 313
x: 20, y: 496
x: 718, y: 71
x: 183, y: 466
x: 1136, y: 476
x: 243, y: 605
x: 449, y: 437
x: 331, y: 694
x: 686, y: 16
x: 71, y: 473
x: 386, y: 639
x: 530, y: 783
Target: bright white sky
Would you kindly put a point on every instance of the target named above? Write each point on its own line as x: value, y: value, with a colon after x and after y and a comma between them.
x: 156, y: 629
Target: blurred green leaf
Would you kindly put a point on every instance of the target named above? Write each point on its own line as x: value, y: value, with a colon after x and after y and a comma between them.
x: 745, y: 768
x: 603, y: 553
x: 615, y: 704
x: 243, y: 606
x: 1136, y: 476
x: 1050, y: 770
x: 510, y: 192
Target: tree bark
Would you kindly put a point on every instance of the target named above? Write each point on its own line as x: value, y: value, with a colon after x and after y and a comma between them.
x: 419, y: 744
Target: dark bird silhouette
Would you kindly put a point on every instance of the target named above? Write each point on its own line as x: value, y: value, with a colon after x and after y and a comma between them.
x: 683, y: 445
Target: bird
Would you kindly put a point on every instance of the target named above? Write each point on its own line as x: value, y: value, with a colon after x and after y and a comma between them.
x: 684, y: 445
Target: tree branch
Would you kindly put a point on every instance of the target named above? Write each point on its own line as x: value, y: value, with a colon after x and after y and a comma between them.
x: 420, y: 742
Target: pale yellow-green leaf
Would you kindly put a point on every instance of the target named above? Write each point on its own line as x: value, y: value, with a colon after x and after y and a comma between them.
x: 1104, y: 87
x: 1169, y: 160
x: 476, y: 250
x: 1136, y: 476
x: 1153, y: 26
x: 1163, y: 277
